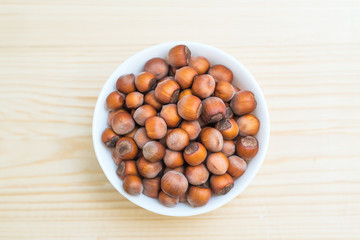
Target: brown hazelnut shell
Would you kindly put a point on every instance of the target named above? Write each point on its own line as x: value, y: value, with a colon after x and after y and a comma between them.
x: 237, y: 166
x: 213, y: 109
x: 167, y: 91
x: 151, y: 100
x: 189, y: 107
x: 151, y: 187
x: 185, y: 76
x: 243, y: 102
x: 153, y: 151
x: 221, y: 73
x: 177, y: 139
x: 145, y: 81
x: 198, y: 196
x: 203, y: 86
x: 221, y: 184
x: 200, y: 64
x: 174, y: 184
x: 228, y: 128
x: 248, y: 125
x: 197, y: 175
x: 195, y: 153
x: 126, y: 168
x: 109, y: 137
x: 179, y: 56
x: 170, y: 115
x: 247, y: 147
x: 212, y: 139
x: 156, y: 127
x: 167, y: 200
x: 132, y: 185
x: 217, y: 163
x: 157, y: 67
x: 126, y: 83
x: 148, y: 169
x: 126, y: 148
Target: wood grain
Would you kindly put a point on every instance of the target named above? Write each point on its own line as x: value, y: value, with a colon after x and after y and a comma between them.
x: 56, y: 55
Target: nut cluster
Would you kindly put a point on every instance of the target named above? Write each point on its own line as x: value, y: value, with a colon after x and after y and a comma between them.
x: 180, y: 131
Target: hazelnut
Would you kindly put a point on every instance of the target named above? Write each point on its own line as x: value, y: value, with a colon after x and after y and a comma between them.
x: 126, y: 83
x: 155, y: 127
x: 167, y: 91
x: 134, y: 100
x: 177, y: 139
x: 122, y: 123
x: 213, y: 109
x: 142, y: 113
x: 203, y: 86
x: 221, y: 73
x: 228, y: 148
x: 247, y: 147
x: 185, y: 76
x: 248, y: 125
x: 126, y: 148
x: 151, y: 187
x: 174, y: 184
x: 126, y: 168
x: 152, y: 101
x: 157, y: 67
x: 200, y: 64
x: 167, y: 200
x: 173, y: 159
x: 133, y: 185
x: 217, y: 163
x: 114, y: 101
x: 221, y: 184
x: 192, y: 128
x: 224, y: 90
x: 145, y: 81
x: 184, y: 93
x: 237, y: 166
x: 197, y: 175
x: 228, y: 128
x: 153, y: 151
x: 109, y: 137
x: 170, y: 115
x: 113, y: 113
x: 198, y: 196
x: 180, y: 169
x: 189, y: 107
x: 141, y: 138
x: 179, y: 56
x: 116, y: 157
x: 195, y: 153
x: 243, y: 103
x: 148, y: 169
x: 212, y: 139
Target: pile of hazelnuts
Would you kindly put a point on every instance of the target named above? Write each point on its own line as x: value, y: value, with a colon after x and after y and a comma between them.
x: 180, y: 131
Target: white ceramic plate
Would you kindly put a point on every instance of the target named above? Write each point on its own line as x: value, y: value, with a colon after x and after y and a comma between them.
x: 242, y: 79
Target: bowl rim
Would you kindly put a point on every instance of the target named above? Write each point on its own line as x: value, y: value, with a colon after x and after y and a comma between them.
x: 265, y: 124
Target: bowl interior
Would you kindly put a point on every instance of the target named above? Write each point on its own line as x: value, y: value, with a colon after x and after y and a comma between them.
x: 242, y: 79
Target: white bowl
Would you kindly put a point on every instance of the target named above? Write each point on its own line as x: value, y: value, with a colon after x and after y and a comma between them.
x: 242, y: 79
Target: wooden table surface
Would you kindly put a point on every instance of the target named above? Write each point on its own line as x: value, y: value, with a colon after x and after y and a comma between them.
x: 56, y: 55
